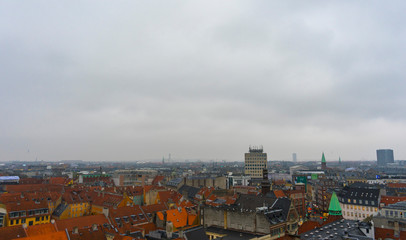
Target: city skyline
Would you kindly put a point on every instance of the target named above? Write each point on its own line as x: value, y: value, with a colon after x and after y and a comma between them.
x: 138, y: 80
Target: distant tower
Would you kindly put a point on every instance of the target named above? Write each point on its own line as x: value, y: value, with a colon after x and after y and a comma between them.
x: 294, y: 157
x: 265, y: 186
x: 163, y: 160
x: 339, y: 160
x: 323, y: 162
x: 384, y: 156
x: 255, y: 162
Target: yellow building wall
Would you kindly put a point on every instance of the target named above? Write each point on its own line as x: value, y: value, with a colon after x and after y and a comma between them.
x: 47, y: 219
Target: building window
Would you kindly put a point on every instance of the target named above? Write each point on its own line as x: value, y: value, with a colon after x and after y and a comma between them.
x: 11, y: 222
x: 23, y: 220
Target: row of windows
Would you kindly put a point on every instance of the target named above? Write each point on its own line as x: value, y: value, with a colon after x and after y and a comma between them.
x: 355, y: 214
x: 366, y: 202
x: 17, y: 221
x: 30, y: 213
x: 254, y: 168
x: 397, y: 214
x: 363, y: 208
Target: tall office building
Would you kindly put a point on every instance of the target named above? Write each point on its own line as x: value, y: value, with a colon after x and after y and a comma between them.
x: 294, y: 157
x: 255, y: 162
x: 384, y: 156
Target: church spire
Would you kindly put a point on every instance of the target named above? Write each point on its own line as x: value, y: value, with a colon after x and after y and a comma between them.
x: 323, y: 162
x: 334, y: 208
x: 323, y: 159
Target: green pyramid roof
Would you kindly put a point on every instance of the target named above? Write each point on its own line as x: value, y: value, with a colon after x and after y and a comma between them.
x: 323, y: 159
x: 334, y: 208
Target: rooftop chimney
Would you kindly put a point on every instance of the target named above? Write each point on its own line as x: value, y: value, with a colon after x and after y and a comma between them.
x: 94, y: 227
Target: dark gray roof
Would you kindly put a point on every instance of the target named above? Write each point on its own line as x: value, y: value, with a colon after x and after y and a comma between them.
x: 174, y: 182
x: 338, y: 230
x: 189, y: 191
x: 363, y: 196
x: 252, y: 202
x: 60, y: 209
x: 196, y: 234
x: 397, y: 206
x: 231, y: 235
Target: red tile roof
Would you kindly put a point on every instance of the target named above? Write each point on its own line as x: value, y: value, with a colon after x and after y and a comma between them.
x: 178, y: 217
x: 169, y: 196
x: 386, y: 200
x: 81, y: 222
x: 279, y: 193
x: 88, y: 234
x: 307, y: 226
x: 34, y: 188
x: 59, y: 180
x: 154, y: 208
x: 61, y: 235
x: 157, y: 179
x: 383, y: 233
x: 397, y: 185
x: 7, y: 233
x: 41, y: 229
x: 28, y: 196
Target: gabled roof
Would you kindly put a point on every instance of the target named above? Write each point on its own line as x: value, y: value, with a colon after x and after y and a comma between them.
x: 158, y: 179
x: 178, y: 217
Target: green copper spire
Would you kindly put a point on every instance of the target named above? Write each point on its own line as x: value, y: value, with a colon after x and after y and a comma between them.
x: 334, y: 208
x: 323, y: 159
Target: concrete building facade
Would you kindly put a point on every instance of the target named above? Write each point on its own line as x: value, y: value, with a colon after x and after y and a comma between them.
x: 255, y: 162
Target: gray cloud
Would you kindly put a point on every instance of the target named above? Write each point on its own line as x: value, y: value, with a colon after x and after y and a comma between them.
x: 135, y: 80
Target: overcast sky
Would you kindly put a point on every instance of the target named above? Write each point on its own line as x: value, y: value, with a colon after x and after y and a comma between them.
x: 137, y: 80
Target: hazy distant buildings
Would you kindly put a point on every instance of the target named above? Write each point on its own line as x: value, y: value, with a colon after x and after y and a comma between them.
x: 294, y: 157
x: 255, y: 162
x: 384, y: 156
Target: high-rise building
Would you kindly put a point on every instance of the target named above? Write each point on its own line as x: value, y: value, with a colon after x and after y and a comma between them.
x: 294, y: 157
x: 384, y: 156
x: 255, y: 162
